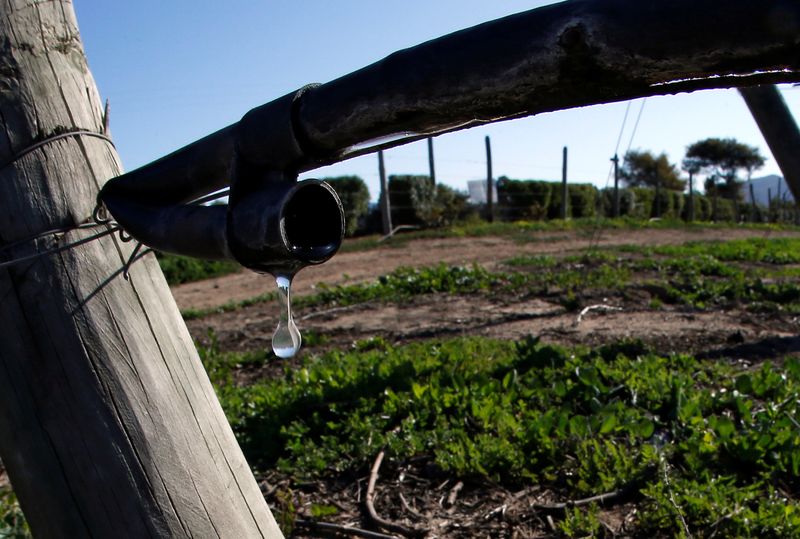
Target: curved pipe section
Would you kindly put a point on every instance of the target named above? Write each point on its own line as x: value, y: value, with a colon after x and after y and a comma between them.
x: 278, y: 228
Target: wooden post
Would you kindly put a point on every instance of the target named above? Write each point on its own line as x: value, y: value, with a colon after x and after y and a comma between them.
x: 109, y: 426
x: 779, y: 128
x: 431, y: 166
x: 383, y: 201
x: 658, y: 191
x: 690, y: 211
x: 769, y: 204
x: 615, y: 160
x: 489, y: 182
x: 564, y: 188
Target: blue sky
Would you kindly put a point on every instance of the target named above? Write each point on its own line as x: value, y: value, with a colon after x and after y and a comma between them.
x: 176, y: 71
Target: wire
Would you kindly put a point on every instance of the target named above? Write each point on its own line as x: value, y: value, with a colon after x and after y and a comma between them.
x: 87, y: 239
x: 636, y: 125
x: 53, y: 138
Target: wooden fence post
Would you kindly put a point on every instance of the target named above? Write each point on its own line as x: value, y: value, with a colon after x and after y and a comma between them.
x: 564, y: 187
x: 383, y: 201
x: 109, y: 426
x: 615, y: 206
x: 489, y: 182
x: 431, y: 164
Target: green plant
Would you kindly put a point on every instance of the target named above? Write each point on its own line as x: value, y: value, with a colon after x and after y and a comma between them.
x: 181, y: 269
x: 12, y: 522
x: 354, y: 195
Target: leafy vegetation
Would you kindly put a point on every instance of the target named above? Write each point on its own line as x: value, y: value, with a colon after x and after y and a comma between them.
x: 181, y: 269
x: 12, y: 522
x: 705, y: 446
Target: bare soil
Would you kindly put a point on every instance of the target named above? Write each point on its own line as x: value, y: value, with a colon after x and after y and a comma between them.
x: 413, y: 494
x: 494, y: 315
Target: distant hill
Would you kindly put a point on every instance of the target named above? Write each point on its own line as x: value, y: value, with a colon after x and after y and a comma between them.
x: 763, y: 186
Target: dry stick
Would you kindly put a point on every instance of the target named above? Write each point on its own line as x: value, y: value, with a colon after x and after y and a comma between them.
x: 451, y: 499
x: 327, y: 526
x: 608, y: 497
x: 598, y: 307
x: 368, y: 501
x: 410, y: 509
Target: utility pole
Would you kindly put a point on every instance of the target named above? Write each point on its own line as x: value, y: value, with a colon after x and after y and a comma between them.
x: 564, y: 188
x: 690, y: 213
x: 431, y: 166
x: 383, y: 201
x: 489, y: 182
x: 109, y: 426
x: 615, y: 160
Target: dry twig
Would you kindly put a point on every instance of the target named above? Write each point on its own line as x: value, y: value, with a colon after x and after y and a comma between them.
x: 368, y: 501
x: 598, y: 307
x: 326, y: 526
x: 451, y: 498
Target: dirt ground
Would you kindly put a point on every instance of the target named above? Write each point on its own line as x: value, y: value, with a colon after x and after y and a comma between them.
x: 609, y: 318
x: 411, y: 495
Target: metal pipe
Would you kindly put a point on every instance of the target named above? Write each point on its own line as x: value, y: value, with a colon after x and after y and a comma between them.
x: 570, y: 54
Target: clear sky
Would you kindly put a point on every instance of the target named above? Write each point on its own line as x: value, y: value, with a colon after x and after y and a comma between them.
x: 175, y: 71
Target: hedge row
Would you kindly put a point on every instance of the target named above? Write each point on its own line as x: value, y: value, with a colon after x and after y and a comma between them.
x: 415, y: 200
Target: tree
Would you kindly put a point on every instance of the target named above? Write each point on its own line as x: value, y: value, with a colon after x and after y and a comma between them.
x: 722, y: 160
x: 645, y: 169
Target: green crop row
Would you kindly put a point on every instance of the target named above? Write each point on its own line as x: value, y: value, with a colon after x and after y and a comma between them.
x: 713, y: 444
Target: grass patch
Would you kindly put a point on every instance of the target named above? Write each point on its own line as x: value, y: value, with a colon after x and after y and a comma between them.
x: 182, y: 269
x: 720, y: 442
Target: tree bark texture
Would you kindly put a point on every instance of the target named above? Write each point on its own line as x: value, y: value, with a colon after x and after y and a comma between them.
x: 109, y: 426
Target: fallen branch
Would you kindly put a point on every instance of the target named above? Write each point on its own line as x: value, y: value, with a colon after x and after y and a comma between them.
x: 368, y: 502
x: 451, y: 498
x: 606, y: 498
x: 598, y: 307
x: 408, y: 507
x: 337, y: 528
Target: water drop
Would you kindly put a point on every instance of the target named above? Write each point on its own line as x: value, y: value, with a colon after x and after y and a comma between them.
x: 286, y: 339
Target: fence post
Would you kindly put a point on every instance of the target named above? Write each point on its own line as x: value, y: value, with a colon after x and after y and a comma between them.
x: 564, y: 188
x: 777, y: 125
x: 615, y: 160
x: 431, y: 166
x: 109, y: 426
x: 383, y: 201
x: 489, y: 182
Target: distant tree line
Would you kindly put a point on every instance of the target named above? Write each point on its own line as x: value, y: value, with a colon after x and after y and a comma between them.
x: 652, y: 187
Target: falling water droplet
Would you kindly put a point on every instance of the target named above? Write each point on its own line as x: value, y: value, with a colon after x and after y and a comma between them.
x: 286, y: 339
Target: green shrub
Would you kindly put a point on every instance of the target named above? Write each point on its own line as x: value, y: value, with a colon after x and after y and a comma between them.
x: 449, y: 206
x: 524, y: 199
x: 355, y: 199
x: 411, y: 198
x: 181, y: 269
x: 582, y: 200
x: 642, y: 202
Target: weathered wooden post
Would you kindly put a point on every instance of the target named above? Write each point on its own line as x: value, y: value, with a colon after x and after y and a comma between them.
x: 615, y: 208
x: 109, y: 426
x: 779, y: 128
x: 431, y: 164
x: 489, y: 182
x: 564, y: 187
x: 383, y: 201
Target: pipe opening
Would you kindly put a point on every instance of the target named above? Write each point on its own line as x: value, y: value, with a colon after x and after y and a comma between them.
x: 313, y: 221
